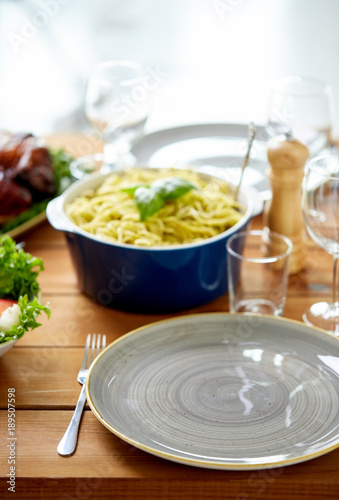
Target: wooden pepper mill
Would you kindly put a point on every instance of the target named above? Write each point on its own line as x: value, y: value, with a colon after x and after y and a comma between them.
x: 283, y: 213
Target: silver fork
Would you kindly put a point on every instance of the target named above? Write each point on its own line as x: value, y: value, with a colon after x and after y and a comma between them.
x: 69, y: 441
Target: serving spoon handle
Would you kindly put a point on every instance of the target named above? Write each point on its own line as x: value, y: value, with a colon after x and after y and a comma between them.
x: 251, y: 136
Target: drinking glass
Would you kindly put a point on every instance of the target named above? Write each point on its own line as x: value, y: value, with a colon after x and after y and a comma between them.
x: 302, y: 108
x: 116, y: 104
x: 257, y: 264
x: 320, y: 202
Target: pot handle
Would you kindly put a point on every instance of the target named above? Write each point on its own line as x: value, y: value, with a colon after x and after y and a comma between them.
x: 56, y: 215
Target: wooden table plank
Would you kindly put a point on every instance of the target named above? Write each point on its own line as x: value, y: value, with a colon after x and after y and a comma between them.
x: 43, y: 378
x: 68, y: 327
x: 58, y: 276
x: 103, y: 462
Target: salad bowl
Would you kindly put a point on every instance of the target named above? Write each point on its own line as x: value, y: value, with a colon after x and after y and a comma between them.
x: 6, y: 346
x: 20, y: 293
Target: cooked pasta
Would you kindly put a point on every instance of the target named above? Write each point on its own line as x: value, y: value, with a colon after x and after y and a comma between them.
x: 112, y: 215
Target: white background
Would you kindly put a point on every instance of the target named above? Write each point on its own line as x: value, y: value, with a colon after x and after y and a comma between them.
x: 218, y: 58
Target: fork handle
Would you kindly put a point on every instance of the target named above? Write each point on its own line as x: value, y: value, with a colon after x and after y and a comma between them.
x: 69, y: 441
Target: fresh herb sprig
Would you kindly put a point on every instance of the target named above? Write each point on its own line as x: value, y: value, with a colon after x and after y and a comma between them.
x: 29, y: 310
x: 19, y: 270
x: 61, y: 161
x: 149, y: 199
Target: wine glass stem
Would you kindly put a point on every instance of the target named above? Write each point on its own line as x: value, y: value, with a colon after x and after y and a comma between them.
x: 119, y: 157
x: 335, y: 281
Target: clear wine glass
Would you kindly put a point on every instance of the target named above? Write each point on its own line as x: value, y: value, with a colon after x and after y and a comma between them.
x: 302, y: 108
x: 117, y: 104
x: 320, y: 202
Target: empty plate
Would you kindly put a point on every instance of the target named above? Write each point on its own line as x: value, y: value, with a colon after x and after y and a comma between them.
x: 220, y: 390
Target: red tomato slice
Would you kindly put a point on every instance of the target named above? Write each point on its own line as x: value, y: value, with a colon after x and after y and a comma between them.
x: 5, y: 303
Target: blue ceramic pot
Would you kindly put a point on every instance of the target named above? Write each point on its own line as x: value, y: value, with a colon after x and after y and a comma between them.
x: 139, y: 279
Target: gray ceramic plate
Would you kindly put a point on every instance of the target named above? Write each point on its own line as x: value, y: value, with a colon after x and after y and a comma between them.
x: 223, y: 391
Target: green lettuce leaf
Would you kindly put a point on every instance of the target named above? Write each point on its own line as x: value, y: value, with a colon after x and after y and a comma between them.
x: 19, y: 270
x: 29, y: 311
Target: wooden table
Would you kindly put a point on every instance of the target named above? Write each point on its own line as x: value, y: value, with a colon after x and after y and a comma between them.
x: 43, y: 366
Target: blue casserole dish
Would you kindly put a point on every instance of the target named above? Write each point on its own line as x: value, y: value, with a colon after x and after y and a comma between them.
x: 139, y: 279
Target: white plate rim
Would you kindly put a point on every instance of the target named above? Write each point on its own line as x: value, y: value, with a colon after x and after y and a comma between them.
x: 201, y: 130
x: 222, y: 465
x: 153, y: 141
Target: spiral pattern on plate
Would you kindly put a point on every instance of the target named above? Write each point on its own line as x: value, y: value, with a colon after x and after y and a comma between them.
x: 190, y: 392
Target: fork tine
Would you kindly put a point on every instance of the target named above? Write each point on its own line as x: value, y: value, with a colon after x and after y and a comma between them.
x: 84, y: 358
x: 92, y: 350
x: 98, y: 345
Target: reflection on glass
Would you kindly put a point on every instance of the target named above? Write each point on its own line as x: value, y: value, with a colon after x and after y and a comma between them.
x: 116, y: 105
x: 321, y: 212
x: 303, y: 108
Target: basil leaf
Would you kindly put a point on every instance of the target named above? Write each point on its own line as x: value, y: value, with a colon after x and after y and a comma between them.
x: 132, y: 188
x: 148, y: 201
x: 172, y: 187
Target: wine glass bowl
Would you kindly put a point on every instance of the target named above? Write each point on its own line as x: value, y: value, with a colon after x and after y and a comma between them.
x: 302, y: 108
x: 320, y: 203
x: 116, y: 104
